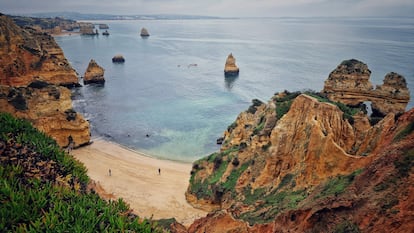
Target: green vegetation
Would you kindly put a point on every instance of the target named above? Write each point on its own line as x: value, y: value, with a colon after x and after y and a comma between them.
x: 233, y: 177
x: 348, y: 111
x: 405, y: 164
x: 337, y: 185
x: 405, y: 132
x: 271, y: 204
x: 43, y: 189
x: 346, y: 227
x: 260, y: 126
x: 283, y: 103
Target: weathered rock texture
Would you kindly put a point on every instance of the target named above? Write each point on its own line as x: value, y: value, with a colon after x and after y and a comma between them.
x: 27, y: 55
x: 94, y: 73
x: 230, y: 68
x: 49, y: 108
x: 349, y: 84
x: 303, y: 163
x: 118, y: 59
x: 144, y: 32
x: 30, y: 65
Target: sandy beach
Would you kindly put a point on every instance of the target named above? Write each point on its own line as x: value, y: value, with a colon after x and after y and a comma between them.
x: 135, y: 178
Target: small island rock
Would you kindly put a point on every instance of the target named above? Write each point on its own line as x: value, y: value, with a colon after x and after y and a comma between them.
x: 231, y: 69
x: 144, y: 32
x: 94, y: 73
x: 118, y: 59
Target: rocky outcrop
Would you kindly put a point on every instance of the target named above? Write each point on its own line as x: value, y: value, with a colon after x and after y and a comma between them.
x: 304, y: 163
x: 94, y: 73
x: 88, y: 29
x: 103, y: 26
x: 118, y: 59
x: 374, y: 199
x: 230, y: 68
x: 144, y: 32
x: 27, y: 55
x: 30, y: 64
x: 49, y: 108
x: 349, y: 84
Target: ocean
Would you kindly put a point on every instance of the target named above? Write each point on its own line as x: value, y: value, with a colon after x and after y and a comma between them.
x: 170, y: 98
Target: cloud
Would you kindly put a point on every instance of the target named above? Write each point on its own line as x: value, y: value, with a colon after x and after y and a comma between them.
x: 218, y: 7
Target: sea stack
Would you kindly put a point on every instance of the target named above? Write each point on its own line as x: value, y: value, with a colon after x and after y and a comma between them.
x: 144, y: 32
x: 94, y: 73
x: 231, y: 69
x: 118, y: 59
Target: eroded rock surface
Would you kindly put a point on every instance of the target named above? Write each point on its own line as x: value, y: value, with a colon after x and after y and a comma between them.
x: 27, y: 55
x: 33, y: 71
x: 94, y: 73
x: 349, y: 84
x: 313, y: 162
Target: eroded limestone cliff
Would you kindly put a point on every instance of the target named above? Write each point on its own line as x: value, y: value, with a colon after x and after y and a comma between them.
x: 27, y: 55
x: 349, y: 84
x: 33, y: 73
x: 303, y: 162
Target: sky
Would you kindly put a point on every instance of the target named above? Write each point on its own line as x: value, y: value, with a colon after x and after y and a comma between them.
x: 221, y: 8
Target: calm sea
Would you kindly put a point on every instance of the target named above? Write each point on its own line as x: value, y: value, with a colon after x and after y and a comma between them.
x: 172, y: 86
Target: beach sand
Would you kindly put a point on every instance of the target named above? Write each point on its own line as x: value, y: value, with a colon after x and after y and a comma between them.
x: 135, y: 178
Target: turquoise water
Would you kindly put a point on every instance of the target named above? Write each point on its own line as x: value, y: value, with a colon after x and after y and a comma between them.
x: 185, y: 108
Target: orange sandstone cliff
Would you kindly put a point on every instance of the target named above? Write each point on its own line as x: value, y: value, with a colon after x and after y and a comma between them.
x: 305, y: 163
x: 33, y: 73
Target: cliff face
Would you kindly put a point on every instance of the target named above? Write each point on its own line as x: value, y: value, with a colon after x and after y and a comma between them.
x: 290, y: 163
x: 30, y: 64
x: 49, y: 108
x: 27, y: 55
x: 349, y: 84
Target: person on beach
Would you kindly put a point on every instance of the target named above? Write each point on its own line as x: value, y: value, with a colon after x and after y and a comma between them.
x: 109, y: 172
x: 159, y: 171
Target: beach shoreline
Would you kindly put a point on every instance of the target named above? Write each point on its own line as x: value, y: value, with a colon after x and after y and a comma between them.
x: 154, y: 188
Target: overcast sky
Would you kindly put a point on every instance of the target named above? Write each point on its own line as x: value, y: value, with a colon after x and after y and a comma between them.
x: 231, y: 8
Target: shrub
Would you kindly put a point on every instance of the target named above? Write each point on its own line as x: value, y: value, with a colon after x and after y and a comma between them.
x: 34, y: 202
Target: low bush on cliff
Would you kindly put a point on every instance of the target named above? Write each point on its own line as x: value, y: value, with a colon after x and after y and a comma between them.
x: 284, y: 101
x: 337, y: 185
x: 348, y: 111
x: 44, y: 189
x: 405, y: 132
x: 268, y: 205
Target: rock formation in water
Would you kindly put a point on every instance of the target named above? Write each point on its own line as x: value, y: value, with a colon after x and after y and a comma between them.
x: 31, y: 63
x: 103, y: 26
x: 144, y: 32
x: 231, y: 69
x: 26, y: 54
x: 118, y: 59
x: 349, y: 84
x: 88, y: 29
x: 305, y: 163
x: 94, y: 73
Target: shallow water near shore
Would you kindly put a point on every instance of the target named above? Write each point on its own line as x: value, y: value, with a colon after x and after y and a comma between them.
x: 172, y: 85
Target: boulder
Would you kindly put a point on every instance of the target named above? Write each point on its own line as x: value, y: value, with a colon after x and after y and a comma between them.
x: 231, y: 69
x: 144, y: 32
x: 94, y: 73
x: 118, y: 59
